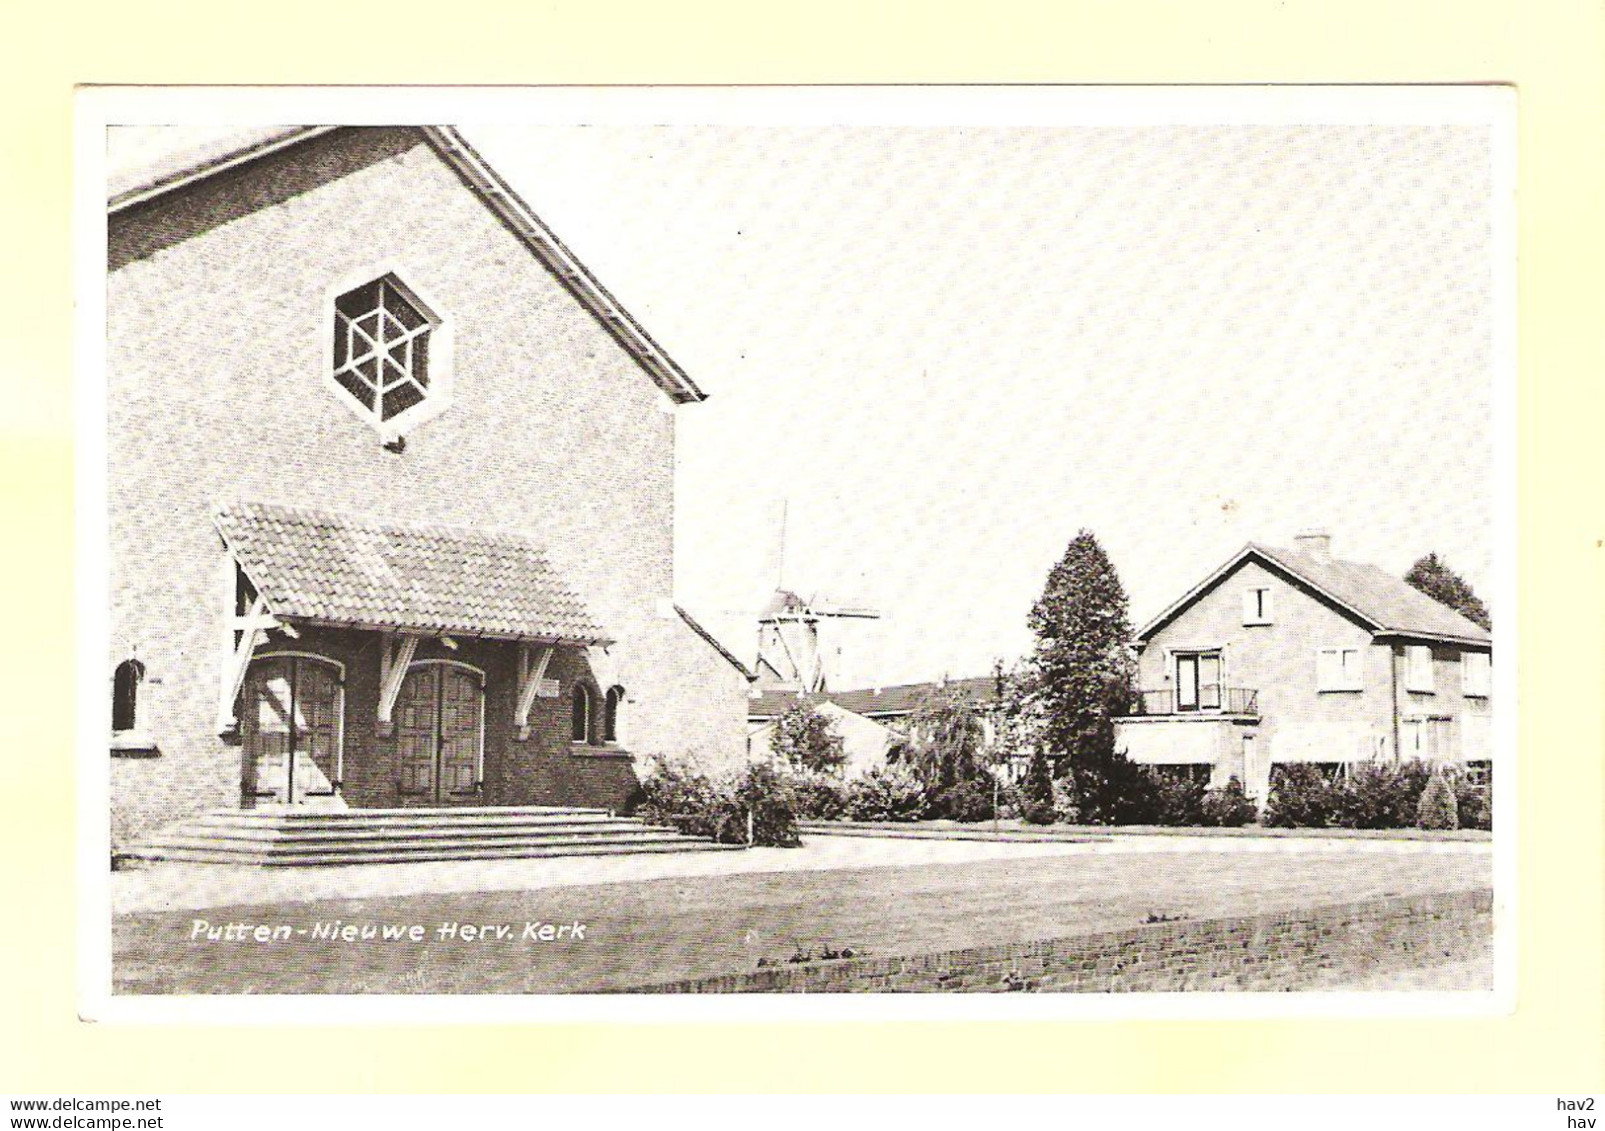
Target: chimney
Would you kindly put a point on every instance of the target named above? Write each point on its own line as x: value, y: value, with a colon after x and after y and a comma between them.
x: 1317, y: 543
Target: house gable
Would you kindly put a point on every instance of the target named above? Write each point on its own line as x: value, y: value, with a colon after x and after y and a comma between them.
x: 1249, y: 569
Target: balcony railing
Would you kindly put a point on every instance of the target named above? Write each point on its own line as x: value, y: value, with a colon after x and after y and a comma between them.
x: 1210, y: 701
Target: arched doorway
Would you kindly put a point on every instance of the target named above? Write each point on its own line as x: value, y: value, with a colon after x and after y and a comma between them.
x: 440, y: 731
x: 290, y: 728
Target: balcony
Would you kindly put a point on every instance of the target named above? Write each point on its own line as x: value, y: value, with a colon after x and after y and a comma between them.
x: 1212, y: 700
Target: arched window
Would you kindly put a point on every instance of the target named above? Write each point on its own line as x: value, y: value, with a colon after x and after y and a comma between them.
x: 125, y: 695
x: 582, y: 713
x: 610, y: 714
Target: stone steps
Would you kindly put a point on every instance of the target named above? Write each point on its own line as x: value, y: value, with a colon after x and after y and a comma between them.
x: 282, y: 837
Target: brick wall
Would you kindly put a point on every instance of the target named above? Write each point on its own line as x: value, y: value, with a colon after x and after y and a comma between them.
x: 216, y: 392
x: 1314, y: 948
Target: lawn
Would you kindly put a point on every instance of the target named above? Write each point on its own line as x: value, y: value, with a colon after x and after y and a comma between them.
x: 1014, y: 829
x: 660, y: 930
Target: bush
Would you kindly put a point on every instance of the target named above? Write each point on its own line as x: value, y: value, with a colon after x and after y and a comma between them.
x: 1382, y: 795
x: 1438, y: 808
x: 818, y: 797
x: 767, y: 796
x: 1066, y: 804
x: 1228, y: 807
x: 965, y: 801
x: 1300, y: 797
x: 1474, y: 804
x: 1010, y: 800
x: 1174, y: 799
x: 886, y: 793
x: 679, y: 795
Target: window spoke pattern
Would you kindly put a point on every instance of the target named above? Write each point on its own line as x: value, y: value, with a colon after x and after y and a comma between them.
x: 381, y: 346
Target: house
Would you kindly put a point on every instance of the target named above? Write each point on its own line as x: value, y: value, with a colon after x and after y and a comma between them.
x: 390, y: 494
x: 1292, y: 655
x: 874, y: 723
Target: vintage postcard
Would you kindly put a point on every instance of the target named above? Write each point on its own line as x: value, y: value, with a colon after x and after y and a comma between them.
x: 812, y: 552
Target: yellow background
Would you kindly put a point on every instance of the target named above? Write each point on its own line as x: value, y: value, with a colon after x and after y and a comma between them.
x: 1550, y: 49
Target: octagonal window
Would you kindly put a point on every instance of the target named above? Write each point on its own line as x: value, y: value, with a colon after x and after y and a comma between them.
x: 381, y: 346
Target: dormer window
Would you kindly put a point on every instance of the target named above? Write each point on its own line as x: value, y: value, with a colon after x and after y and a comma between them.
x: 390, y: 352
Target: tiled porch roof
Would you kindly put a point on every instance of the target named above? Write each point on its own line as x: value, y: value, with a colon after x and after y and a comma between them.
x: 339, y: 569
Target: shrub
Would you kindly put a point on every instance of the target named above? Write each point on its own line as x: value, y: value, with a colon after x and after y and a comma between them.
x: 886, y: 793
x: 1174, y: 799
x: 679, y: 795
x: 1382, y: 795
x: 1228, y: 807
x: 1301, y: 797
x: 818, y: 797
x: 762, y: 792
x: 1066, y: 803
x: 965, y: 801
x: 1010, y: 799
x: 1038, y: 791
x: 1474, y: 804
x: 1438, y: 807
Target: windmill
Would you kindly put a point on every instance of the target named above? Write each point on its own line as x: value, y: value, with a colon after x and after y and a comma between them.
x: 790, y: 654
x: 794, y: 652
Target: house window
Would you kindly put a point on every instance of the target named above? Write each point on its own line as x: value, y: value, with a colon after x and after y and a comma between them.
x: 582, y: 713
x: 1198, y: 681
x: 125, y: 696
x: 1257, y: 605
x: 610, y: 714
x: 1430, y: 739
x: 1338, y: 669
x: 1418, y: 668
x: 1477, y: 674
x: 1479, y: 773
x: 381, y: 347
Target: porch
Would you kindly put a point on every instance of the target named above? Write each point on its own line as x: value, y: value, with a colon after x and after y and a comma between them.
x: 383, y: 667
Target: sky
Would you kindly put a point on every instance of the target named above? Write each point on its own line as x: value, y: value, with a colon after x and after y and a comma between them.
x: 944, y: 351
x: 949, y: 350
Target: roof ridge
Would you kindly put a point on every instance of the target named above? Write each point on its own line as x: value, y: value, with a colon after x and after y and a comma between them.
x: 1376, y: 610
x: 355, y: 520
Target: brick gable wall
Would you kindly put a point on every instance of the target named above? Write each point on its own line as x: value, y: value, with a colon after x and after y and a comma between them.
x: 216, y: 392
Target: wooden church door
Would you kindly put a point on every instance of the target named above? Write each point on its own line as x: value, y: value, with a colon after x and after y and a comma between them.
x: 290, y: 728
x: 439, y: 717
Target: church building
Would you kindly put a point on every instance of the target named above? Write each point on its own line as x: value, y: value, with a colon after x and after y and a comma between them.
x: 391, y: 495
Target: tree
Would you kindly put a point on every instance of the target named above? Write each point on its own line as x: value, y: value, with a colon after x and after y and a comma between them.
x: 1036, y: 806
x: 1433, y: 577
x: 806, y: 739
x: 1109, y: 788
x: 1079, y: 674
x: 946, y: 740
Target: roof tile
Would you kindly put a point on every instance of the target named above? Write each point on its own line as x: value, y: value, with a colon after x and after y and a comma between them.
x: 1394, y: 605
x: 341, y: 569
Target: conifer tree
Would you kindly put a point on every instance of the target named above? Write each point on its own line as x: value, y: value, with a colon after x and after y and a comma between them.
x: 1080, y: 672
x: 1036, y: 806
